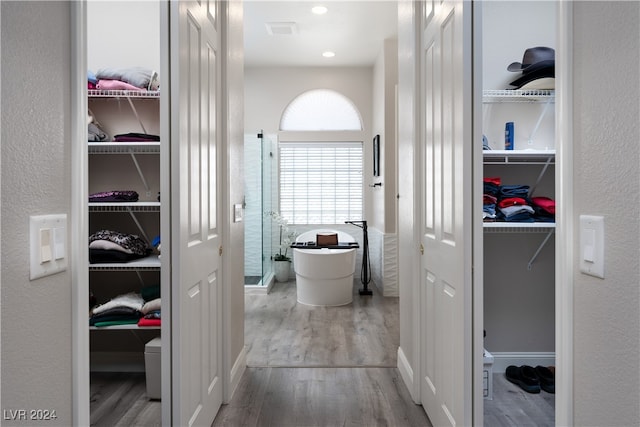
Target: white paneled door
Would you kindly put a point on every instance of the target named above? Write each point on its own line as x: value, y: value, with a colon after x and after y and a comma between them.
x: 195, y: 215
x: 446, y: 241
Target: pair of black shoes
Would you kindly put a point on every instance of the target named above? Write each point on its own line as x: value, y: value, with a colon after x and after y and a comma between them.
x: 532, y: 379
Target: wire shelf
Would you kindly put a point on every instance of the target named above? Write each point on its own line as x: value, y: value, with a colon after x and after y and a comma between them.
x: 521, y: 227
x: 150, y: 263
x: 508, y: 95
x: 518, y: 156
x: 97, y: 93
x: 124, y: 207
x: 124, y: 147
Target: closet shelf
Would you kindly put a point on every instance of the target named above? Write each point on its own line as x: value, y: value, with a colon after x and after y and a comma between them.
x: 151, y: 262
x: 124, y: 148
x: 518, y: 227
x: 97, y: 93
x: 123, y: 327
x: 125, y: 207
x: 533, y: 95
x: 518, y: 156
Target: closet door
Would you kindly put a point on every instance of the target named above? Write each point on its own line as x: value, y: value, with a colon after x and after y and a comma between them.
x: 446, y: 220
x: 195, y: 216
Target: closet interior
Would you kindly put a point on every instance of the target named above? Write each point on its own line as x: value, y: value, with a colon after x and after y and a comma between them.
x: 124, y: 206
x: 518, y: 124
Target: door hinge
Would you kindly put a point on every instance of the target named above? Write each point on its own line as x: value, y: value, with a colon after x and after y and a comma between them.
x: 220, y: 250
x: 421, y: 249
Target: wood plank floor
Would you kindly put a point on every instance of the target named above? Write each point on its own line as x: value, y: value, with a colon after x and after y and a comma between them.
x: 512, y: 406
x: 316, y: 366
x: 281, y: 332
x: 297, y: 397
x: 120, y: 399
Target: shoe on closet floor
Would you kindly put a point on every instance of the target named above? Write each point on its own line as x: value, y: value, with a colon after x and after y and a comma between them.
x: 524, y: 376
x: 547, y: 379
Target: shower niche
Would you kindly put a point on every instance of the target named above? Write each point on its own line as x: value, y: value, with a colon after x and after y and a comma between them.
x: 260, y: 179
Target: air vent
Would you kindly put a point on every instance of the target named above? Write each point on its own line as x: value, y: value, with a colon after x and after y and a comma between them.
x: 281, y: 28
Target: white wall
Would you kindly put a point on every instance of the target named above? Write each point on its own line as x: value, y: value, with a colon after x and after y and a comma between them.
x: 606, y: 376
x: 123, y: 34
x: 36, y: 180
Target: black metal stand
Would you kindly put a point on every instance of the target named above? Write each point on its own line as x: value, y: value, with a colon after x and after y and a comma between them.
x: 366, y: 264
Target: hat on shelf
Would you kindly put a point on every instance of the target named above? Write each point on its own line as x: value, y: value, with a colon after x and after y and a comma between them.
x: 537, y: 69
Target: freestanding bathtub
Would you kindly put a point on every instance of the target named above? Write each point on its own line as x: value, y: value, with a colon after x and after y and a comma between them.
x: 324, y: 276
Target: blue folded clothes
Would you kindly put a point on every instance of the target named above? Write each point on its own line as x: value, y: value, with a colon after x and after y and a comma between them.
x: 514, y: 191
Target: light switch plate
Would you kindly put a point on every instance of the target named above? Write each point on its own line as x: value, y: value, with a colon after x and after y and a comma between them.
x: 48, y: 235
x: 592, y: 245
x: 237, y: 212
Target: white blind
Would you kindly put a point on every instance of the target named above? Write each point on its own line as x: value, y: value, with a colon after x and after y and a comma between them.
x: 321, y: 183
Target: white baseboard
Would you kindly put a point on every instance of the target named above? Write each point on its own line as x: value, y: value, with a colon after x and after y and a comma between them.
x: 238, y: 368
x: 406, y: 372
x: 503, y: 359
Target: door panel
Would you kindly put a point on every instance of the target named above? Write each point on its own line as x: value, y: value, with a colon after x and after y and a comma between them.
x: 195, y: 169
x: 446, y: 345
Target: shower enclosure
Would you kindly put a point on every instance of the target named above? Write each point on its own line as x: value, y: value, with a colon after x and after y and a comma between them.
x: 259, y: 174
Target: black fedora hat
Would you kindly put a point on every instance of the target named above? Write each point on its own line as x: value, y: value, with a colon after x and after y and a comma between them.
x: 534, y: 58
x: 542, y: 75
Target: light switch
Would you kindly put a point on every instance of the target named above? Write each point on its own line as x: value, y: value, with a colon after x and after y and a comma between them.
x: 59, y: 238
x: 47, y: 240
x: 45, y: 245
x: 592, y: 245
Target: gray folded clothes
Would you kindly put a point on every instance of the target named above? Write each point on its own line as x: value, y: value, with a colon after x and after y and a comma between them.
x: 141, y: 77
x: 96, y: 134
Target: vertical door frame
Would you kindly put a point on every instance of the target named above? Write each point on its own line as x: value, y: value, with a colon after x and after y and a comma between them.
x: 79, y: 218
x: 564, y: 275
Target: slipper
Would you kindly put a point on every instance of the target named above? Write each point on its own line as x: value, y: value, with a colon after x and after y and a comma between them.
x: 547, y: 379
x: 524, y: 376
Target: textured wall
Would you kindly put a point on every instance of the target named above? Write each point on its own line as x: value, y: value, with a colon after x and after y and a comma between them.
x: 607, y: 182
x: 36, y: 180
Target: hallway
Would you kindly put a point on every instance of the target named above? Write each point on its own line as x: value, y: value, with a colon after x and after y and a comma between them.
x: 321, y: 366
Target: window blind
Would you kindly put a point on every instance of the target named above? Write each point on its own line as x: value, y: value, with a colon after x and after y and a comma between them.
x: 321, y: 183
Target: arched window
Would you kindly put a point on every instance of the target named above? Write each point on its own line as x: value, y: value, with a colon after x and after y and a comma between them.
x: 321, y: 109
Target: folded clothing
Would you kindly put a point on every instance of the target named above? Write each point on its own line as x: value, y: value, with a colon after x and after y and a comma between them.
x: 136, y: 137
x: 98, y: 256
x: 141, y: 77
x: 114, y: 196
x: 104, y: 84
x: 132, y: 242
x: 131, y: 300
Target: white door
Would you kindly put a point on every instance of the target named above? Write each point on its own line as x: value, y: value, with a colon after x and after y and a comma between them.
x: 445, y: 289
x: 195, y: 213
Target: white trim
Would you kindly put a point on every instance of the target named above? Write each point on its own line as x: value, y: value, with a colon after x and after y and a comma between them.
x: 237, y: 370
x: 564, y: 218
x: 503, y: 359
x: 406, y: 372
x: 80, y: 389
x: 477, y: 296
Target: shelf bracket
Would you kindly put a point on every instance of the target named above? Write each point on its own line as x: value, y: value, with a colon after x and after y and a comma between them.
x: 135, y: 162
x: 542, y: 172
x: 136, y: 114
x: 542, y: 114
x: 135, y: 219
x: 535, y: 255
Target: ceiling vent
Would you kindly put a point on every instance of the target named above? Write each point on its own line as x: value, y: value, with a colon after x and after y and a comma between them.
x: 282, y: 28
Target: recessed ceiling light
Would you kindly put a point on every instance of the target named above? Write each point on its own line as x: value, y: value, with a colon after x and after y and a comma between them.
x: 328, y: 54
x: 319, y: 10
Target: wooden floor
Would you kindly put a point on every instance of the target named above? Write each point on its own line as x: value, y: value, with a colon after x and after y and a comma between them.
x: 512, y: 406
x: 316, y: 366
x: 120, y: 399
x: 280, y: 332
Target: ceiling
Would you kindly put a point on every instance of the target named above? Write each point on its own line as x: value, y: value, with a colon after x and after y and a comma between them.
x: 354, y: 30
